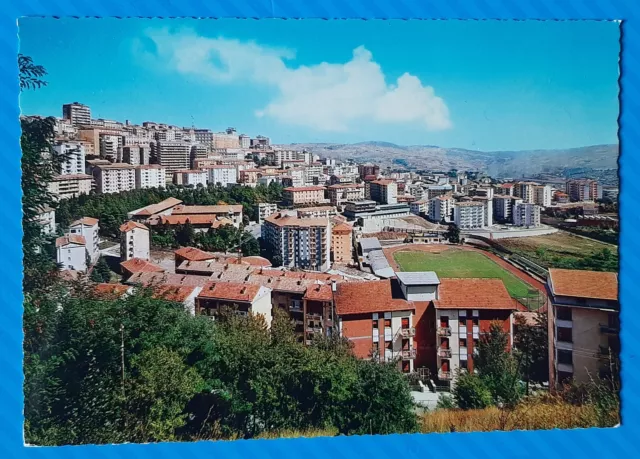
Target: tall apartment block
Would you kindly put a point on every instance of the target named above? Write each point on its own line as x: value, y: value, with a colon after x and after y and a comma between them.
x: 151, y: 176
x: 584, y: 190
x: 134, y: 241
x: 114, y: 178
x: 74, y: 156
x: 584, y: 324
x: 175, y: 156
x: 299, y: 242
x: 469, y: 215
x: 384, y: 191
x: 137, y: 155
x: 77, y: 113
x: 526, y: 214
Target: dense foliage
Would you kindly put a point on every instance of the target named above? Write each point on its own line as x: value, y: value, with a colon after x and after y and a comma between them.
x: 531, y: 343
x: 140, y: 369
x: 112, y: 209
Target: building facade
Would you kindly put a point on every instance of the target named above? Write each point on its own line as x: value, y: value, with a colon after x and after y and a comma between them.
x: 583, y: 190
x: 114, y: 178
x: 526, y: 214
x: 74, y: 156
x: 71, y: 252
x: 295, y: 196
x: 70, y: 186
x: 88, y: 228
x: 342, y: 243
x: 77, y: 113
x: 222, y: 174
x: 134, y: 241
x: 384, y: 191
x: 469, y: 215
x: 341, y: 193
x: 584, y: 325
x: 151, y: 176
x: 299, y: 242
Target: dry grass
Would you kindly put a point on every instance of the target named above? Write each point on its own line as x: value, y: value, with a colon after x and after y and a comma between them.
x: 527, y: 416
x: 298, y: 434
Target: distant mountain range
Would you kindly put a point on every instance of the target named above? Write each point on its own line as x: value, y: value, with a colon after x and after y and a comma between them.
x: 495, y: 163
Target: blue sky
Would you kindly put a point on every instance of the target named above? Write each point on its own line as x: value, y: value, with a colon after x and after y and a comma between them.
x: 484, y: 85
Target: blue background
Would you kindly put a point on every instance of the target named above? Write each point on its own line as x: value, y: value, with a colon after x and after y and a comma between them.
x: 620, y: 442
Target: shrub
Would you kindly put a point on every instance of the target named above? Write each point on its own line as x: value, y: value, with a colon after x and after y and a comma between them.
x: 471, y: 392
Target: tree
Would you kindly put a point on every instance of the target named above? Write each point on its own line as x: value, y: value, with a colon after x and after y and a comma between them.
x: 30, y: 73
x: 497, y: 367
x: 532, y: 348
x: 101, y: 271
x: 185, y: 234
x: 453, y: 234
x: 471, y: 392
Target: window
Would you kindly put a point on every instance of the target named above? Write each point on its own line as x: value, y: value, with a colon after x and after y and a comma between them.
x: 375, y: 324
x: 405, y: 322
x: 463, y: 343
x: 565, y: 357
x: 565, y: 335
x: 387, y: 323
x: 463, y: 364
x: 463, y: 322
x: 376, y: 335
x: 563, y: 313
x: 475, y: 321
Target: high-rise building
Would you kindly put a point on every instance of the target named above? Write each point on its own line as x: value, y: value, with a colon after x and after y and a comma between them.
x: 584, y: 190
x: 174, y: 156
x: 526, y: 214
x: 77, y: 113
x: 342, y: 193
x: 342, y: 243
x: 245, y: 141
x: 88, y: 228
x: 136, y: 155
x: 151, y: 176
x: 526, y: 191
x: 114, y: 178
x: 384, y: 191
x: 73, y: 154
x: 299, y: 242
x: 542, y: 195
x: 469, y: 215
x: 190, y: 177
x: 70, y: 186
x: 222, y: 174
x: 441, y: 208
x: 109, y: 145
x: 503, y: 207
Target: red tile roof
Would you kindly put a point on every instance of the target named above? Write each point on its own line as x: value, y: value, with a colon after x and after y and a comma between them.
x: 506, y: 185
x: 89, y: 221
x: 211, y: 210
x: 342, y: 228
x: 368, y: 297
x: 346, y: 185
x: 111, y: 290
x: 182, y: 219
x: 177, y: 293
x: 256, y: 261
x: 473, y: 294
x: 383, y: 182
x: 156, y: 208
x: 280, y: 219
x: 70, y: 239
x: 137, y: 265
x: 319, y: 292
x: 584, y: 284
x: 194, y: 254
x: 131, y: 225
x: 148, y: 279
x: 304, y: 188
x: 231, y: 291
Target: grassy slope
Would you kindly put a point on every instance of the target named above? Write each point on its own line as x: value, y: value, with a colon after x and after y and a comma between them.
x: 460, y: 263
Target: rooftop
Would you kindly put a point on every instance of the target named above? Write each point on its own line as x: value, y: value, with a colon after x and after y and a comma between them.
x: 111, y: 290
x: 131, y: 225
x: 368, y: 297
x: 70, y: 239
x: 319, y: 292
x: 194, y: 254
x: 177, y: 293
x: 342, y: 228
x: 136, y: 265
x: 219, y: 209
x: 584, y: 284
x: 418, y: 278
x: 89, y: 221
x: 280, y: 219
x: 157, y: 208
x: 148, y: 279
x: 471, y: 293
x: 232, y: 291
x: 383, y: 182
x: 294, y: 189
x: 370, y: 243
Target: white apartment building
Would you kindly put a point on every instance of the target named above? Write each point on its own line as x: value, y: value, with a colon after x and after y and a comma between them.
x: 115, y: 178
x: 70, y: 186
x: 469, y: 215
x: 542, y: 195
x: 73, y: 154
x: 526, y: 191
x: 299, y: 242
x: 440, y: 208
x: 136, y: 155
x: 175, y: 156
x: 227, y: 139
x: 77, y: 113
x: 151, y: 176
x: 222, y: 174
x: 317, y: 212
x: 266, y: 209
x: 526, y: 214
x: 134, y: 241
x: 64, y: 128
x: 190, y: 178
x: 419, y: 207
x: 384, y: 191
x: 71, y: 252
x: 277, y: 157
x: 87, y: 227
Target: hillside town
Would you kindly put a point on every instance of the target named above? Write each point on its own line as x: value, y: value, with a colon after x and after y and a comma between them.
x: 411, y: 267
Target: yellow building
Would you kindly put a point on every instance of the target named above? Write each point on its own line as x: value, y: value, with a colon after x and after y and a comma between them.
x: 341, y: 242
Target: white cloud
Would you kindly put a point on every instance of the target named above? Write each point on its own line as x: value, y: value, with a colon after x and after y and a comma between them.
x: 326, y: 96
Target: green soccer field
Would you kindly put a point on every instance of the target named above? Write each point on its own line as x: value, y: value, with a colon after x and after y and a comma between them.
x: 462, y: 263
